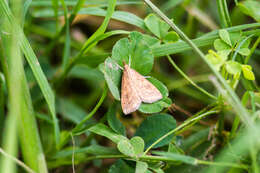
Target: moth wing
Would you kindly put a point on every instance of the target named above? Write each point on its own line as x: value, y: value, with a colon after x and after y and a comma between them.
x: 130, y: 101
x: 145, y: 89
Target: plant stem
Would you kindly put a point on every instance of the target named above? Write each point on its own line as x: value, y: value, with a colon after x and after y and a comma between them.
x: 88, y: 116
x: 188, y: 79
x: 237, y: 106
x: 160, y: 158
x: 252, y: 50
x: 204, y: 162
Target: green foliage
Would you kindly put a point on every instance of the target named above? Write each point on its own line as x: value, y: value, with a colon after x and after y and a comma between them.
x: 60, y: 106
x: 227, y: 45
x: 154, y: 127
x: 113, y: 121
x: 250, y: 8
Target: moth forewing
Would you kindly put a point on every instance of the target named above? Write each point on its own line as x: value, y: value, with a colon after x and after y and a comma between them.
x: 145, y: 89
x: 135, y: 89
x: 130, y: 101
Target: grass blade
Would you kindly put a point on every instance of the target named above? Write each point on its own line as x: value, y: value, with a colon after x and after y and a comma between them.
x: 34, y: 64
x: 20, y: 107
x: 66, y: 50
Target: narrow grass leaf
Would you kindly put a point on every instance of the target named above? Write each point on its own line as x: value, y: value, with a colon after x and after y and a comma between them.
x: 101, y: 29
x: 55, y: 7
x: 2, y: 99
x: 26, y: 6
x: 93, y: 150
x: 177, y: 157
x: 66, y: 50
x: 35, y: 66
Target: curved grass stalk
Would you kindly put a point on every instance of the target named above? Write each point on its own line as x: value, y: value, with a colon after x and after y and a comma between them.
x: 186, y: 123
x: 188, y: 79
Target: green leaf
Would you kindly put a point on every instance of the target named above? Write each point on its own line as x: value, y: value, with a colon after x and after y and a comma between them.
x: 154, y: 127
x: 224, y: 35
x: 244, y: 51
x: 135, y: 49
x: 177, y: 157
x: 113, y: 121
x: 151, y: 41
x: 132, y: 148
x: 103, y: 130
x: 246, y: 41
x: 121, y: 167
x: 216, y: 60
x: 155, y: 107
x: 138, y: 145
x: 235, y: 37
x: 233, y: 67
x: 123, y: 16
x: 247, y: 72
x: 126, y: 148
x: 224, y: 54
x: 156, y: 25
x: 141, y: 167
x: 112, y: 74
x: 220, y: 45
x: 171, y: 37
x: 250, y: 8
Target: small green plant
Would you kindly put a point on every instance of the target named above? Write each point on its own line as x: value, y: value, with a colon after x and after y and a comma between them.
x: 60, y: 107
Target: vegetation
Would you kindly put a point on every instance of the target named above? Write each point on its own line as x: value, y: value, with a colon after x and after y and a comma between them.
x: 60, y: 86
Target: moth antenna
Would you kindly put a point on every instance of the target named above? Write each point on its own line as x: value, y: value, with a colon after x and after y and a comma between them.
x: 120, y: 66
x: 147, y: 77
x: 129, y: 60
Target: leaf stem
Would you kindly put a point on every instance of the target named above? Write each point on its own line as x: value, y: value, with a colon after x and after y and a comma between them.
x: 188, y: 79
x: 160, y: 158
x: 88, y: 116
x: 252, y: 50
x: 204, y: 162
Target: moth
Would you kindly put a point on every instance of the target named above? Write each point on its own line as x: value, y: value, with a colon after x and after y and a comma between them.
x: 135, y: 89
